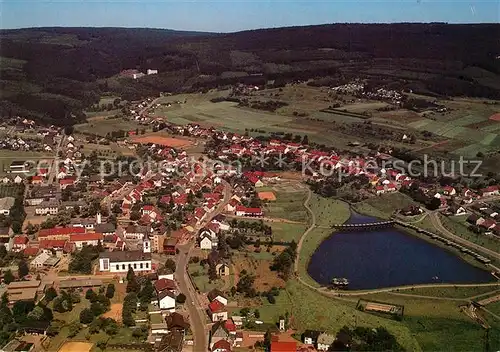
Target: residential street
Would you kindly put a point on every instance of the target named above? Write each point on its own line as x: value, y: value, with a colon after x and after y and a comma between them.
x: 197, y: 314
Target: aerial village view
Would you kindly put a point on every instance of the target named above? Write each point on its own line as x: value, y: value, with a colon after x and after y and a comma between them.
x: 152, y: 202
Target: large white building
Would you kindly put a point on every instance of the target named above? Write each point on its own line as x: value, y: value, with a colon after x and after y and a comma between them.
x: 121, y: 261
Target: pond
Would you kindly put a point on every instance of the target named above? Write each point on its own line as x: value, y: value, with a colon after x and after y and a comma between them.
x: 388, y: 257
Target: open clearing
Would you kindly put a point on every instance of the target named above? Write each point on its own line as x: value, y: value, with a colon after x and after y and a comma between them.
x: 76, y: 347
x: 265, y: 279
x: 164, y: 141
x: 102, y: 127
x: 115, y: 312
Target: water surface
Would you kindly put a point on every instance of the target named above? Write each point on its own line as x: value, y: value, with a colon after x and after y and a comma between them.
x: 388, y: 257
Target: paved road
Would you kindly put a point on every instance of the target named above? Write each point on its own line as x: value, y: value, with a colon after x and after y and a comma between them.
x: 197, y: 314
x: 436, y: 222
x: 313, y: 225
x: 55, y: 167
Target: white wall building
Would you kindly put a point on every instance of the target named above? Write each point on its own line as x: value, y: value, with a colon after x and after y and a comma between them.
x: 166, y: 301
x: 121, y: 261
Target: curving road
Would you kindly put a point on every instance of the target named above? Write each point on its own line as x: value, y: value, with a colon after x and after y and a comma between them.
x: 304, y: 235
x: 436, y: 222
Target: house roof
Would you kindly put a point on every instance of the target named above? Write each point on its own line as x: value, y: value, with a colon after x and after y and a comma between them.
x: 20, y: 240
x: 166, y: 293
x: 31, y: 251
x: 86, y: 237
x: 216, y: 306
x: 120, y: 256
x: 288, y: 346
x: 176, y: 320
x: 60, y: 231
x: 222, y: 345
x: 164, y: 284
x: 214, y: 294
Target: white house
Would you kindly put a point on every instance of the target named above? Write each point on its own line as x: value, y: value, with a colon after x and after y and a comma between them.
x: 134, y: 232
x: 217, y: 295
x: 152, y: 72
x: 217, y: 311
x: 120, y: 261
x: 208, y: 239
x: 206, y: 242
x: 86, y: 239
x: 166, y: 301
x: 47, y: 208
x: 325, y: 341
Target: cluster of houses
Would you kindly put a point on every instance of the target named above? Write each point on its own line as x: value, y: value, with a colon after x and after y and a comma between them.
x: 136, y: 74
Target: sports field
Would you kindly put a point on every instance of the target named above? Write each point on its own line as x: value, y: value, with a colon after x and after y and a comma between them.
x: 76, y: 347
x: 173, y: 142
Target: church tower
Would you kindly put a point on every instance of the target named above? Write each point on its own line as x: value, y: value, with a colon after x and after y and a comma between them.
x: 146, y: 245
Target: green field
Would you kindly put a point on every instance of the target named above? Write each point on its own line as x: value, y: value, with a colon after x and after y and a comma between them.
x: 312, y: 310
x: 383, y: 206
x: 288, y: 205
x: 285, y: 232
x: 104, y: 126
x: 450, y: 292
x: 458, y: 226
x: 328, y: 211
x: 201, y: 280
x: 270, y: 313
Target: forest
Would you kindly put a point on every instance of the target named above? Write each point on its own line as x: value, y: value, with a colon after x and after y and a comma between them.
x: 54, y: 74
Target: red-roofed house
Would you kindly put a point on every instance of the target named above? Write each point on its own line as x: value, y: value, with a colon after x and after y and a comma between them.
x: 31, y: 251
x: 217, y: 311
x: 221, y: 346
x: 89, y: 239
x: 490, y: 191
x: 244, y: 211
x: 164, y: 284
x: 231, y: 206
x: 288, y: 346
x: 449, y: 191
x: 20, y: 243
x: 60, y: 232
x: 36, y: 180
x: 57, y: 245
x: 65, y: 182
x: 379, y: 189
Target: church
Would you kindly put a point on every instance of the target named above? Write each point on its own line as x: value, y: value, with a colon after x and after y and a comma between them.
x: 121, y: 261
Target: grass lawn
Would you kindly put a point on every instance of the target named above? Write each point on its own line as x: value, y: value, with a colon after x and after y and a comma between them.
x: 437, y: 325
x: 156, y: 318
x: 494, y: 307
x: 288, y: 206
x: 285, y: 232
x: 200, y: 278
x: 458, y: 226
x: 74, y: 314
x: 312, y: 310
x: 270, y: 313
x: 105, y: 126
x: 309, y: 245
x: 450, y: 292
x: 329, y: 211
x: 383, y: 206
